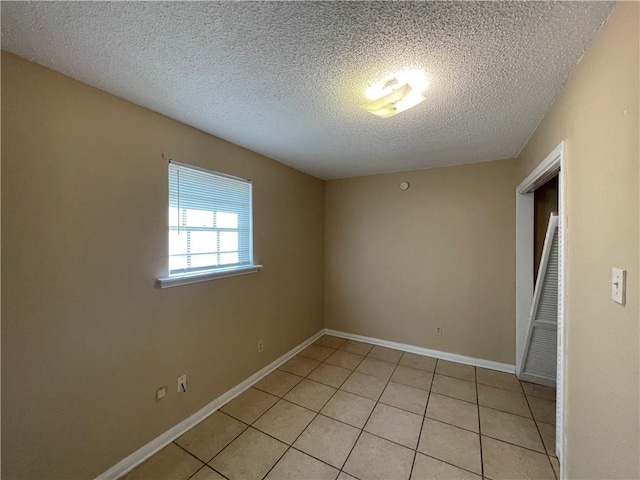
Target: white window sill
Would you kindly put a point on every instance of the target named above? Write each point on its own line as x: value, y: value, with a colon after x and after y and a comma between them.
x: 177, y: 280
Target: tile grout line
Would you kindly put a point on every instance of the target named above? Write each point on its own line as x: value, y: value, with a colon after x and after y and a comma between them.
x: 211, y: 468
x: 452, y: 464
x: 372, y: 434
x: 368, y: 398
x: 504, y: 411
x: 396, y: 443
x: 511, y: 443
x: 318, y: 459
x: 247, y: 426
x: 264, y: 413
x: 374, y: 406
x: 522, y: 382
x: 396, y: 365
x: 196, y: 472
x: 369, y: 417
x: 230, y: 442
x: 377, y: 436
x: 227, y: 445
x: 484, y: 385
x: 415, y: 449
x: 346, y: 459
x: 475, y: 372
x: 378, y: 401
x: 495, y: 409
x: 424, y: 420
x: 289, y: 447
x: 472, y: 403
x: 316, y: 413
x: 538, y: 430
x: 191, y: 454
x: 488, y: 406
x: 456, y: 426
x: 205, y: 464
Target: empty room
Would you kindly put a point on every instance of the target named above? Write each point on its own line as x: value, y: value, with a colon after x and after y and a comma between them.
x: 320, y: 240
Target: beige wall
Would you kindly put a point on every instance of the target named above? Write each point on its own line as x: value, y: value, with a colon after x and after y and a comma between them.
x: 86, y: 338
x: 597, y: 114
x: 399, y: 264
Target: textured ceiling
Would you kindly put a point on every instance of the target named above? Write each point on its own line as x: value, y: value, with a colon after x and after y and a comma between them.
x: 286, y: 79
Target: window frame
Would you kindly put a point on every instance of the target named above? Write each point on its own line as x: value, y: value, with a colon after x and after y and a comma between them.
x: 207, y: 273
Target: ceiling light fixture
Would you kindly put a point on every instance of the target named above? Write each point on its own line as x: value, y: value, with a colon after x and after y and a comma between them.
x: 396, y: 93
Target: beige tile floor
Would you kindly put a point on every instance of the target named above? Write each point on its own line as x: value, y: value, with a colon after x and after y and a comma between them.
x: 345, y: 409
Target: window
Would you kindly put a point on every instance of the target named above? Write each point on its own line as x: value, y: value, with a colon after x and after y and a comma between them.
x: 210, y: 226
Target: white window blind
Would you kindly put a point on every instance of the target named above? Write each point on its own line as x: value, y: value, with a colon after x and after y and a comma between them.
x: 210, y: 221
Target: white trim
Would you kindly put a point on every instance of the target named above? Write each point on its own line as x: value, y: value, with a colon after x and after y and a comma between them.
x: 177, y: 280
x: 454, y: 357
x: 136, y: 458
x: 554, y: 162
x: 543, y: 172
x: 140, y: 455
x: 561, y: 387
x: 524, y: 270
x: 524, y: 244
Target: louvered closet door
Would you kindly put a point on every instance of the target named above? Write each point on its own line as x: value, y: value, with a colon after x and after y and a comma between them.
x: 540, y: 361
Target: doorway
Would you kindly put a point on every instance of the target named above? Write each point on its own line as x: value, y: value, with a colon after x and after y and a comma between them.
x: 552, y: 166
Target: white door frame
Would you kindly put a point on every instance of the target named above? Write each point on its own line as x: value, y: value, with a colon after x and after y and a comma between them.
x: 555, y: 163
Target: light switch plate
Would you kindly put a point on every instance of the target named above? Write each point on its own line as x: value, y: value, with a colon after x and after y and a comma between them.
x: 618, y: 287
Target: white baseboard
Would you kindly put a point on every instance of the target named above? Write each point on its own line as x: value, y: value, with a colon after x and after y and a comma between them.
x: 454, y: 357
x: 140, y: 455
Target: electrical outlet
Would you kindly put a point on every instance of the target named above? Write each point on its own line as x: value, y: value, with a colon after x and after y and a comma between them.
x: 182, y: 384
x: 260, y: 346
x: 161, y: 393
x: 438, y: 331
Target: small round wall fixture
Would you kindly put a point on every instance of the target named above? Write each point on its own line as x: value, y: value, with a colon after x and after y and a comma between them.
x: 404, y: 185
